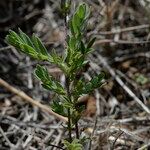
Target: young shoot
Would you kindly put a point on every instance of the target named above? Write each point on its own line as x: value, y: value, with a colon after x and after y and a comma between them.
x: 71, y: 63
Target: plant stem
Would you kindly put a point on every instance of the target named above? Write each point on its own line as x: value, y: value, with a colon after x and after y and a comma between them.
x: 69, y: 125
x: 77, y: 129
x: 68, y: 84
x: 69, y: 114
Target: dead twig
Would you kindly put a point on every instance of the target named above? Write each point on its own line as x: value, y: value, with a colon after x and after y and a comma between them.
x: 128, y: 29
x: 6, y: 139
x: 113, y: 145
x: 120, y: 42
x: 121, y: 141
x: 144, y: 147
x: 134, y: 119
x: 127, y: 132
x: 55, y: 146
x: 92, y: 134
x: 5, y: 48
x: 30, y: 100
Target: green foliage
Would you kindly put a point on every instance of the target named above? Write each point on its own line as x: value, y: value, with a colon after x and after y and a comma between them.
x: 72, y: 63
x: 94, y: 83
x: 31, y: 46
x: 59, y: 61
x: 79, y: 20
x: 85, y: 88
x: 65, y: 6
x: 58, y: 107
x: 48, y: 82
x: 74, y: 145
x: 77, y: 50
x: 141, y: 79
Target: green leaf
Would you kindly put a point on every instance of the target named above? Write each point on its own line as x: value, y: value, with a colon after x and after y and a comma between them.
x: 89, y: 50
x: 59, y: 108
x: 74, y: 145
x: 25, y: 38
x: 31, y: 46
x: 79, y: 20
x: 94, y: 83
x: 12, y: 41
x: 141, y: 79
x: 71, y: 28
x: 83, y: 50
x: 59, y: 61
x: 42, y: 73
x: 15, y: 36
x: 39, y: 45
x: 67, y: 104
x: 91, y: 42
x: 78, y: 88
x: 28, y: 50
x: 76, y: 62
x: 48, y: 82
x: 72, y: 43
x: 88, y: 88
x: 81, y: 11
x: 65, y: 6
x: 76, y: 23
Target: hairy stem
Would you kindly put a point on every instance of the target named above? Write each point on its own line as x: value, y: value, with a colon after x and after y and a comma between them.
x: 68, y: 84
x: 69, y: 126
x: 69, y: 114
x: 77, y: 129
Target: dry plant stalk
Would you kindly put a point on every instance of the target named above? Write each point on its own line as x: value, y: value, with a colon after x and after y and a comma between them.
x: 31, y: 101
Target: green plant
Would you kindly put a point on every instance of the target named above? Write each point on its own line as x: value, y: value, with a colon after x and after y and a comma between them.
x: 74, y: 145
x: 71, y: 64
